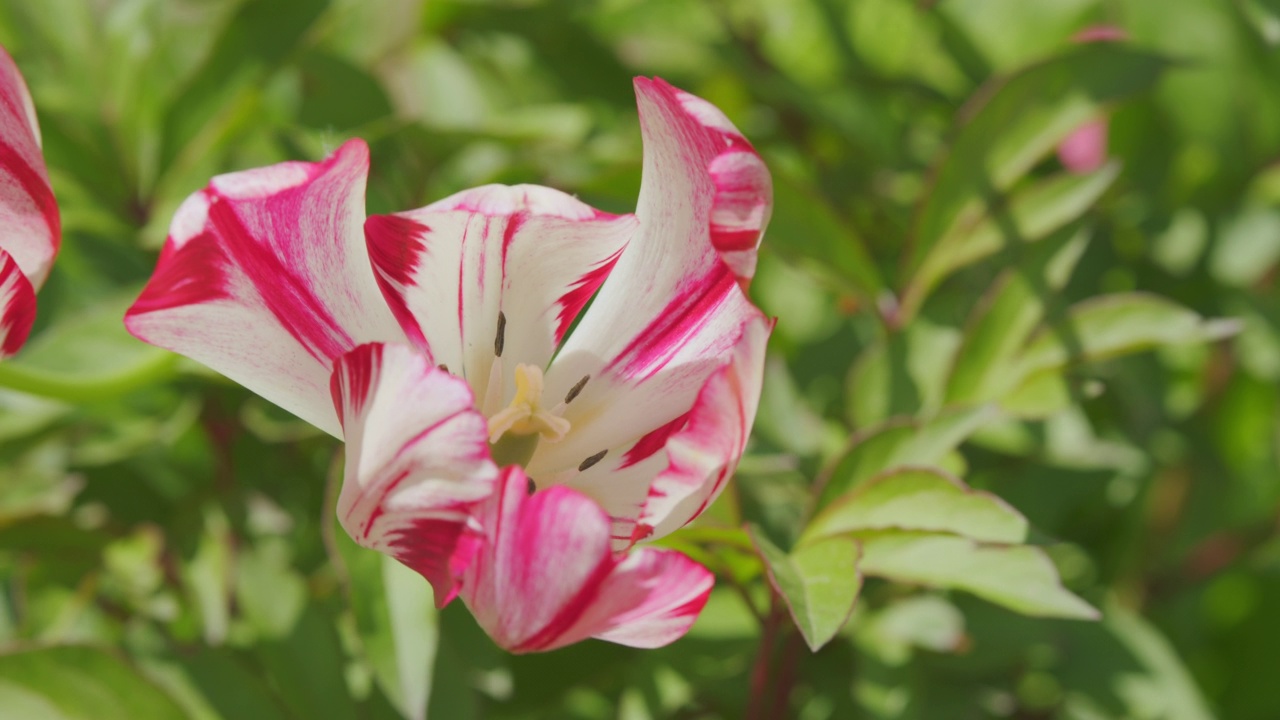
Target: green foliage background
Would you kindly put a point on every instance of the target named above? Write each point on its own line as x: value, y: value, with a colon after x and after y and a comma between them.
x: 167, y: 548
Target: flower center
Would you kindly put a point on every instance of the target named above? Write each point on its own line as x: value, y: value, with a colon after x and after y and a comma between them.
x: 525, y: 414
x: 514, y: 431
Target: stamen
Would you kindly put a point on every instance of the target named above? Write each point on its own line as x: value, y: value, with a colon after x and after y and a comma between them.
x: 500, y: 339
x: 573, y: 391
x: 592, y: 460
x: 443, y: 367
x: 532, y: 487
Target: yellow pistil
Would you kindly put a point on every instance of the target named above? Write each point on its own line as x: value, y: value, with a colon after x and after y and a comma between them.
x: 525, y: 416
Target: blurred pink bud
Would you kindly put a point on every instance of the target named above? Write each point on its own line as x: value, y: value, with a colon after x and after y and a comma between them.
x: 1085, y: 149
x: 1100, y: 33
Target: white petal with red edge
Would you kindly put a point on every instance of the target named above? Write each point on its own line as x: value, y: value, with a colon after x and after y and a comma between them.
x: 673, y: 308
x: 417, y: 458
x: 30, y: 228
x: 546, y: 576
x: 534, y: 254
x: 266, y: 279
x: 704, y: 453
x: 17, y: 306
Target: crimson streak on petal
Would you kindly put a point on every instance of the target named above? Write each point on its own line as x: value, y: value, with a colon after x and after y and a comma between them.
x: 17, y: 306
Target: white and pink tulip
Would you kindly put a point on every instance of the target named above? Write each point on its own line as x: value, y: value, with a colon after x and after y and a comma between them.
x: 30, y: 228
x: 529, y: 389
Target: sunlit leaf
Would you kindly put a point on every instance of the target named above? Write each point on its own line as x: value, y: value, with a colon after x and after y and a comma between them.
x: 78, y: 683
x: 919, y: 499
x: 819, y: 583
x: 1019, y: 577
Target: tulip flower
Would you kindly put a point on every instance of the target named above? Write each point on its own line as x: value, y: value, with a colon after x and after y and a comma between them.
x: 529, y: 389
x: 30, y: 229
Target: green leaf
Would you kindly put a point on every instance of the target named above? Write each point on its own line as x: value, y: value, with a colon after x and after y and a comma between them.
x: 919, y: 499
x: 1029, y: 215
x: 87, y: 357
x: 819, y: 583
x: 78, y: 683
x: 920, y: 621
x: 1014, y: 306
x: 1169, y: 690
x: 270, y: 593
x: 308, y: 668
x: 1111, y: 325
x: 255, y: 42
x: 805, y: 229
x: 397, y: 622
x: 902, y: 374
x: 902, y: 442
x: 1019, y: 577
x: 227, y: 684
x: 1015, y: 123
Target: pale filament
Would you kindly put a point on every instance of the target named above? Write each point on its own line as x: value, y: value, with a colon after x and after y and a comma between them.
x: 525, y: 414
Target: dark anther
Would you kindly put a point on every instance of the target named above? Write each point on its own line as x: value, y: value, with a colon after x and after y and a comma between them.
x: 531, y: 488
x: 502, y: 331
x: 592, y: 460
x: 573, y: 391
x: 443, y: 367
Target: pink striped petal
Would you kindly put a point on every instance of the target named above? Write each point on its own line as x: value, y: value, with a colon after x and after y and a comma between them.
x: 30, y: 229
x: 417, y: 458
x: 534, y: 254
x: 266, y: 279
x: 673, y: 309
x: 653, y: 485
x: 547, y: 578
x: 17, y: 306
x: 705, y: 452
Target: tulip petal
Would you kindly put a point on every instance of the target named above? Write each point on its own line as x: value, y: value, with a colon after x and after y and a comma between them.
x: 532, y: 253
x: 417, y: 459
x: 266, y: 279
x: 673, y: 308
x: 656, y: 484
x: 546, y: 576
x: 17, y: 306
x: 30, y: 228
x: 704, y: 453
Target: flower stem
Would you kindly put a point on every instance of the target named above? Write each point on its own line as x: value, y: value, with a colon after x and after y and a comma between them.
x: 758, y: 706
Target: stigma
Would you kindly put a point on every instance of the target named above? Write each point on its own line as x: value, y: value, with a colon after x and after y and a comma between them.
x: 525, y: 415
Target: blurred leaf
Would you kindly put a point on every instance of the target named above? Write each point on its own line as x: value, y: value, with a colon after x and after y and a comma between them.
x: 337, y: 95
x: 86, y: 357
x: 1169, y: 691
x: 229, y: 685
x: 208, y: 576
x: 1111, y: 325
x: 819, y: 582
x: 78, y: 683
x: 1028, y: 215
x: 784, y: 418
x: 919, y: 499
x: 256, y: 40
x: 269, y: 591
x: 308, y: 668
x: 805, y: 229
x: 1247, y: 249
x: 397, y: 621
x: 1019, y: 577
x: 921, y: 621
x: 902, y: 442
x: 903, y: 374
x: 1013, y: 124
x: 1013, y: 307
